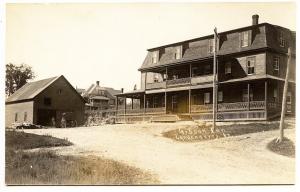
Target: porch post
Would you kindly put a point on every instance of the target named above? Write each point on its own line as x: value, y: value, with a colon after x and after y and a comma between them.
x: 248, y: 96
x: 117, y: 105
x: 125, y: 103
x: 190, y: 70
x: 266, y: 100
x: 166, y: 90
x: 145, y: 80
x: 144, y: 103
x: 131, y: 103
x: 166, y: 77
x: 165, y: 102
x: 190, y: 100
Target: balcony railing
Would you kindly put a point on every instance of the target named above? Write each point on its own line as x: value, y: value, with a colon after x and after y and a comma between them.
x: 156, y: 85
x: 202, y: 79
x: 176, y: 82
x: 179, y: 82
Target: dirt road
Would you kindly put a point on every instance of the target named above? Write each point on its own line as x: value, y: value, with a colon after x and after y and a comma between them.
x: 232, y: 160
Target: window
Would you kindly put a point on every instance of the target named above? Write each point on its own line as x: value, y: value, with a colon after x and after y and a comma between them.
x: 154, y: 56
x: 281, y: 39
x: 276, y: 63
x: 155, y: 102
x: 16, y: 117
x: 275, y: 94
x: 245, y: 95
x: 245, y: 39
x: 174, y: 102
x: 155, y: 79
x: 250, y: 65
x: 47, y: 101
x: 196, y: 71
x: 289, y: 102
x: 206, y: 98
x: 59, y: 91
x: 178, y: 52
x: 220, y: 96
x: 227, y: 68
x: 206, y: 69
x: 196, y: 99
x: 25, y: 116
x: 211, y: 46
x: 289, y: 98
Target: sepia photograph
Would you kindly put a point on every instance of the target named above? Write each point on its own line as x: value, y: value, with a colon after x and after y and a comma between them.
x: 149, y: 94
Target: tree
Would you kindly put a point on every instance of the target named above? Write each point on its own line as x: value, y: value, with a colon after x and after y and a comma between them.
x: 283, y: 108
x: 16, y: 77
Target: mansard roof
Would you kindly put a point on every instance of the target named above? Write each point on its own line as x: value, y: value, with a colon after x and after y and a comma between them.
x: 197, y: 48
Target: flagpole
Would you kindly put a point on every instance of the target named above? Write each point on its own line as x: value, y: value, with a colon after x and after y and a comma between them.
x: 214, y: 80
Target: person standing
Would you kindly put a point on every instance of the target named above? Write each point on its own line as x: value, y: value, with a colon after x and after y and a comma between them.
x: 53, y: 122
x: 63, y: 121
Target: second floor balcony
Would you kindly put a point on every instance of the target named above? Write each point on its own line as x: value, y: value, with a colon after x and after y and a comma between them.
x: 181, y: 82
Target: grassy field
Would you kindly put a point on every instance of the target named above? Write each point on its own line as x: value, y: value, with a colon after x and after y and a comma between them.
x: 47, y: 168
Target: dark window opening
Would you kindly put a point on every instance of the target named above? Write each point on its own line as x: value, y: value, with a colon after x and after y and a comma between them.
x: 47, y: 101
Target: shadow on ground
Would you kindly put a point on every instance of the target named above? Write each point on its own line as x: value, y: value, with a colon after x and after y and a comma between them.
x: 286, y: 147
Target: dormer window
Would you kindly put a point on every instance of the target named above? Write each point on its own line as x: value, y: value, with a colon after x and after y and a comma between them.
x: 155, y: 57
x: 211, y: 46
x: 245, y: 39
x: 250, y: 65
x: 178, y: 52
x: 281, y: 39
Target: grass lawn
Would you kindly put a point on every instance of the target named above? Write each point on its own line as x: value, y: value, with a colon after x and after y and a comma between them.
x: 47, y: 168
x: 203, y: 132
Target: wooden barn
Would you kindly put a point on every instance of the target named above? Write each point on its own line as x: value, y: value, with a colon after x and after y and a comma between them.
x: 42, y: 101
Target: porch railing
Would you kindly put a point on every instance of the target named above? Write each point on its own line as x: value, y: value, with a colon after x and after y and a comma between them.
x: 141, y: 111
x: 274, y: 105
x: 202, y: 108
x: 176, y: 82
x: 232, y: 106
x: 238, y: 106
x: 156, y: 110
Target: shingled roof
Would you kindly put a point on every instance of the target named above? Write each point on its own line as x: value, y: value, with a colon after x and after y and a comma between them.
x: 30, y: 90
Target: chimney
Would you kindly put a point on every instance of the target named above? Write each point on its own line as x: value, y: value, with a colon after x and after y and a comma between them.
x: 122, y: 90
x: 97, y: 83
x: 255, y: 19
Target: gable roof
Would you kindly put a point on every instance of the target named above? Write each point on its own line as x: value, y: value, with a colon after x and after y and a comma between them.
x: 92, y: 91
x: 30, y: 90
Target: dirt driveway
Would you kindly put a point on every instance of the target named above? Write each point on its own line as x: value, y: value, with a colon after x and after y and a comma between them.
x: 232, y: 160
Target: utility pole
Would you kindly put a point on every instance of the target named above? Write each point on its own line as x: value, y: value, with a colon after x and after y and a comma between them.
x: 215, y: 89
x: 283, y: 107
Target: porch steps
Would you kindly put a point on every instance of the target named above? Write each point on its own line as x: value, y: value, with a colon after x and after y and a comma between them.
x: 184, y: 117
x: 164, y: 118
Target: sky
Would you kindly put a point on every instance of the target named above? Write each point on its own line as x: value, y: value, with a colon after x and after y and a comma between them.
x: 108, y: 42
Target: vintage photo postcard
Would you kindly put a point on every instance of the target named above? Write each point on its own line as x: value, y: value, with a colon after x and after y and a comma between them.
x: 137, y: 93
